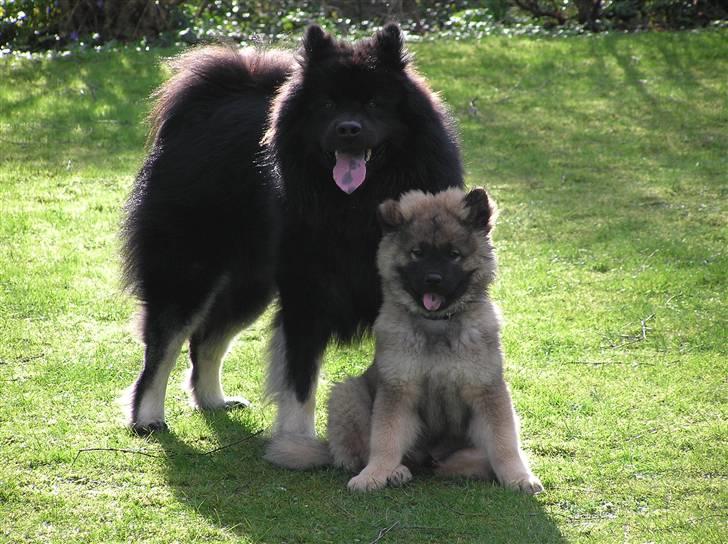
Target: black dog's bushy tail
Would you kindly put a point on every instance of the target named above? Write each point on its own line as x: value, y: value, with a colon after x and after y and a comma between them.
x: 209, y: 74
x: 299, y: 452
x: 205, y: 121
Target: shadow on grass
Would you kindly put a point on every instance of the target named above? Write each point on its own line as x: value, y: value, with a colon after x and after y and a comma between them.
x: 242, y: 495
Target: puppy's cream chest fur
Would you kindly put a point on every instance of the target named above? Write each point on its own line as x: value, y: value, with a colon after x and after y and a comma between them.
x: 463, y: 351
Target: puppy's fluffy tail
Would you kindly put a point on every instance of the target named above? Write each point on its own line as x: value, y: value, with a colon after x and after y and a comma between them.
x: 298, y: 451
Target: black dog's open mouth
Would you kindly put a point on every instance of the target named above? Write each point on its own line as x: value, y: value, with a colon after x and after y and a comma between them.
x: 350, y: 169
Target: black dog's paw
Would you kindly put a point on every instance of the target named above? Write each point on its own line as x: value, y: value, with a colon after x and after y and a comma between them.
x: 235, y: 403
x: 146, y: 429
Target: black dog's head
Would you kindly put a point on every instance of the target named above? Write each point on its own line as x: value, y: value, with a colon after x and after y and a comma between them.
x: 343, y: 108
x: 436, y: 253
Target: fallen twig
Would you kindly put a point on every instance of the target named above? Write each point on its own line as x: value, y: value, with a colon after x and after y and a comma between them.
x: 233, y: 443
x: 606, y: 363
x: 635, y: 339
x: 11, y: 142
x: 644, y: 326
x: 427, y: 528
x: 22, y: 359
x: 116, y: 450
x: 694, y: 520
x: 154, y: 455
x: 344, y: 510
x: 383, y: 532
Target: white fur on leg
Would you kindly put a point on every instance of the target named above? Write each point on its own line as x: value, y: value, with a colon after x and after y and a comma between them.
x: 206, y: 391
x: 150, y: 411
x: 295, y: 417
x: 295, y: 420
x: 293, y: 444
x: 297, y: 451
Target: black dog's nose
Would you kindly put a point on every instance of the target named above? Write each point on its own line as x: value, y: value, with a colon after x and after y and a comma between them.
x: 433, y: 279
x: 348, y: 129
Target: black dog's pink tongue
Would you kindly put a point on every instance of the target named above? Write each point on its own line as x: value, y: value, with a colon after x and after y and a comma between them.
x: 432, y: 301
x: 349, y: 171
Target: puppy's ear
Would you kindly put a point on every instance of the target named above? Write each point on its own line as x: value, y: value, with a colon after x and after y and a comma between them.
x: 391, y: 51
x: 390, y: 216
x: 316, y: 43
x: 481, y: 209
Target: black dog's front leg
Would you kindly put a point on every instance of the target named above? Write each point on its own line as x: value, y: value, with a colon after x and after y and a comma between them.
x: 295, y: 359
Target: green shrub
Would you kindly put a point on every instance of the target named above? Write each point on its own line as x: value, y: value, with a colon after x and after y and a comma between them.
x: 46, y: 24
x: 53, y: 24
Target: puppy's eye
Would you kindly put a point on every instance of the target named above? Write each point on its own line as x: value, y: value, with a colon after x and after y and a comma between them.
x: 329, y: 104
x: 454, y: 254
x: 372, y: 104
x: 416, y: 253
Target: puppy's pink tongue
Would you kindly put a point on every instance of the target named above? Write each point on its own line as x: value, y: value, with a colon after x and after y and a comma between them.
x: 432, y: 301
x: 349, y: 171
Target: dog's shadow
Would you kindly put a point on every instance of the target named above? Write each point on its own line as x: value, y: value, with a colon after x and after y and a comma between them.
x: 238, y: 493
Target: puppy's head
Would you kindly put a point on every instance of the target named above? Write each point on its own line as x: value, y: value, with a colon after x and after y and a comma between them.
x: 436, y: 255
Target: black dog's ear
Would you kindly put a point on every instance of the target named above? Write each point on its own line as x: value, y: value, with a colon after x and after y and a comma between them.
x: 316, y: 43
x: 390, y: 47
x: 481, y: 209
x: 390, y: 216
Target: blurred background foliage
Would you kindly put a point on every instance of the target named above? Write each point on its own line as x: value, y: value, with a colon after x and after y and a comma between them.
x: 35, y: 25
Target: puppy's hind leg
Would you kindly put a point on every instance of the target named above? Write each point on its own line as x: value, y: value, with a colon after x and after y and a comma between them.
x: 349, y: 424
x: 467, y: 463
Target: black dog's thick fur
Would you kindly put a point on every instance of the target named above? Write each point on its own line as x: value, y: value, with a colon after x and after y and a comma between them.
x: 236, y: 200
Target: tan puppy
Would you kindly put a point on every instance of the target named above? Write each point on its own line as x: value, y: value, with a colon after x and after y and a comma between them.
x: 435, y: 392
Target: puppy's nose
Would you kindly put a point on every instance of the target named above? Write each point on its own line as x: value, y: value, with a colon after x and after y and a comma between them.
x: 433, y: 279
x: 348, y: 129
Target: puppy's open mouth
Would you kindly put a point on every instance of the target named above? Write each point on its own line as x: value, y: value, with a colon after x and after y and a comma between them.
x: 432, y: 301
x: 350, y: 169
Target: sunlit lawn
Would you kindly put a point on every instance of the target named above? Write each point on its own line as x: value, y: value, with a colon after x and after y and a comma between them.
x: 608, y: 156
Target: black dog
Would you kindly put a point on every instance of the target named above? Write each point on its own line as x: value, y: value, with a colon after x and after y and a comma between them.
x: 264, y: 176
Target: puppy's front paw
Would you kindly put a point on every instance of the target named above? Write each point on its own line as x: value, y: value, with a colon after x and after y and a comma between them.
x: 527, y: 483
x: 371, y: 479
x: 399, y: 476
x: 367, y: 481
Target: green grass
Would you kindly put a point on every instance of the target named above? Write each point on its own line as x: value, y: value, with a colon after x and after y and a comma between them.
x: 608, y: 156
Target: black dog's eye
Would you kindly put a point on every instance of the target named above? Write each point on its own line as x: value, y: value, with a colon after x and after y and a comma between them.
x: 454, y: 254
x: 329, y: 104
x: 416, y: 253
x: 372, y: 104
